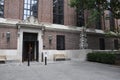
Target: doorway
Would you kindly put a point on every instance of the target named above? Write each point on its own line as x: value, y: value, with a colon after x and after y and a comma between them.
x: 30, y: 42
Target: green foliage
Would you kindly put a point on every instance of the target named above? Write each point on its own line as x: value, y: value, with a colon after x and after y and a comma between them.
x: 101, y: 57
x: 112, y: 34
x: 94, y: 16
x: 113, y: 6
x: 95, y: 7
x: 78, y: 4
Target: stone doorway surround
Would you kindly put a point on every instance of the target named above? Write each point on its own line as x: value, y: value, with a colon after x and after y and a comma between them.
x: 29, y: 25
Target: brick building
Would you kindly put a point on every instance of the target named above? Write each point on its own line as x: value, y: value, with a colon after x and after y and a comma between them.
x: 46, y: 25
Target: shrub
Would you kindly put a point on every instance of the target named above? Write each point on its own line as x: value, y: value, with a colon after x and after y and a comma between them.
x: 101, y: 57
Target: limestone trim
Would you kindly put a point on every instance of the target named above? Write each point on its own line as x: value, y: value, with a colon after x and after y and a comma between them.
x: 32, y: 22
x: 20, y: 39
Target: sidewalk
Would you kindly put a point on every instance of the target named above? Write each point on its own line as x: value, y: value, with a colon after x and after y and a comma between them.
x: 60, y: 70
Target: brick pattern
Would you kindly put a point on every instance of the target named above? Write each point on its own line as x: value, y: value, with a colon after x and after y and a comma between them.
x: 93, y: 42
x: 12, y: 44
x: 109, y: 43
x: 71, y: 40
x: 45, y: 11
x: 69, y: 14
x: 12, y: 9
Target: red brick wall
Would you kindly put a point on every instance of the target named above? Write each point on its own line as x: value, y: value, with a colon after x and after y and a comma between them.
x: 12, y: 44
x: 109, y: 43
x: 13, y: 9
x: 71, y: 40
x: 69, y: 14
x: 93, y: 42
x: 45, y: 11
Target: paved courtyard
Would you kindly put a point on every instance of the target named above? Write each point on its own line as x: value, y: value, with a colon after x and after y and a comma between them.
x: 64, y: 70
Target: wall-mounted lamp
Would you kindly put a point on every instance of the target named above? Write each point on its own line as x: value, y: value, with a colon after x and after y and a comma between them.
x: 50, y: 39
x: 107, y: 16
x: 18, y: 30
x: 18, y: 34
x: 43, y: 29
x: 8, y: 36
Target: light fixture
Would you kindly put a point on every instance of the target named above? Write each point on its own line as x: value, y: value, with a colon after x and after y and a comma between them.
x: 50, y: 39
x: 107, y: 17
x: 43, y: 29
x: 8, y: 36
x: 18, y: 34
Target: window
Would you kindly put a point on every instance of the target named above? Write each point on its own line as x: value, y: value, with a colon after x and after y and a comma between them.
x: 1, y: 8
x: 102, y: 43
x: 80, y: 18
x: 60, y: 42
x: 30, y: 8
x: 98, y: 17
x: 98, y: 22
x: 58, y: 11
x: 112, y: 22
x: 116, y: 46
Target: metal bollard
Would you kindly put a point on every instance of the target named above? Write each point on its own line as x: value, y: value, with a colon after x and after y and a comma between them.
x: 45, y: 60
x: 42, y: 57
x: 28, y: 59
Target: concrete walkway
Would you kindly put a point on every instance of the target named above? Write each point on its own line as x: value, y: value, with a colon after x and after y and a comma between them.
x: 64, y: 70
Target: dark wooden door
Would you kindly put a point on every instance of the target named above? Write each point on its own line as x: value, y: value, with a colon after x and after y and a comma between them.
x: 26, y: 50
x: 30, y: 40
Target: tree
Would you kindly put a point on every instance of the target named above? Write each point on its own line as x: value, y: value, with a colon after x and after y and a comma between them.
x: 79, y: 10
x: 97, y: 7
x: 114, y: 7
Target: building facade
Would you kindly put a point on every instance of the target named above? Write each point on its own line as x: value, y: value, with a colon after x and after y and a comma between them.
x: 44, y: 25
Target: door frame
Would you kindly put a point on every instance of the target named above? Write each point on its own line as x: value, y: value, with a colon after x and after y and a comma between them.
x: 20, y: 40
x: 30, y: 38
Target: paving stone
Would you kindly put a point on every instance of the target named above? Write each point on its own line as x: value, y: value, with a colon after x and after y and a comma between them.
x: 59, y: 70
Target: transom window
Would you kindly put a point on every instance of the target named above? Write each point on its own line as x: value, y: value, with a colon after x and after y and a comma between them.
x: 58, y: 11
x: 30, y: 8
x: 1, y: 8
